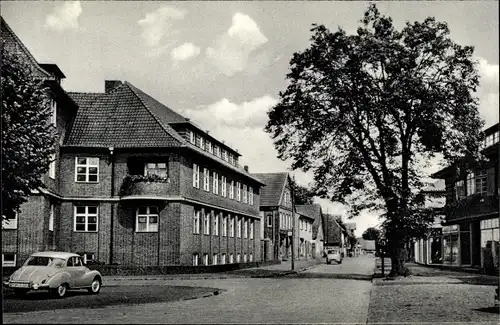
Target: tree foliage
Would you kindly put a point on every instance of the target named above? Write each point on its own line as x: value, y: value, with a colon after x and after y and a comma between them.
x: 301, y: 194
x: 371, y: 234
x: 366, y: 112
x: 27, y: 135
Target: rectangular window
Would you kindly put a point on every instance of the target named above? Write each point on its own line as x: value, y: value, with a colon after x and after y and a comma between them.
x: 223, y: 258
x: 251, y: 229
x: 10, y: 223
x: 216, y: 150
x: 199, y: 140
x: 147, y: 219
x: 196, y: 176
x: 223, y: 185
x: 238, y: 228
x: 231, y: 227
x: 245, y: 197
x: 205, y: 259
x: 238, y: 191
x: 471, y: 184
x: 236, y: 161
x: 196, y: 222
x: 482, y: 182
x: 245, y: 229
x: 209, y: 147
x: 251, y: 257
x: 224, y: 226
x: 202, y: 143
x: 191, y: 137
x: 230, y: 158
x: 85, y: 218
x: 215, y: 187
x: 196, y: 259
x: 53, y: 110
x: 231, y: 258
x: 231, y: 190
x: 250, y: 195
x: 51, y: 218
x: 8, y: 259
x: 206, y: 223
x: 459, y: 190
x: 244, y: 257
x: 238, y: 258
x: 224, y: 154
x: 215, y: 259
x: 52, y: 166
x: 269, y: 220
x: 216, y: 224
x: 206, y: 179
x: 159, y: 169
x: 86, y: 170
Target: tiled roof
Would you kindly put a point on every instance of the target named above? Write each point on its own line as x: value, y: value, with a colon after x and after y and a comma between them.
x: 14, y: 44
x: 437, y: 186
x: 313, y: 211
x: 332, y: 229
x: 270, y: 195
x: 118, y: 119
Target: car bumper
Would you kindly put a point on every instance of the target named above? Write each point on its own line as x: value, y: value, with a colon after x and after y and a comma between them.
x: 24, y: 285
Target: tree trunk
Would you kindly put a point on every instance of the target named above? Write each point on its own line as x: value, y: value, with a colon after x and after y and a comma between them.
x: 398, y: 258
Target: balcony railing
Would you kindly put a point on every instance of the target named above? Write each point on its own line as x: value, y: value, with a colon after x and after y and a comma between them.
x: 144, y: 187
x: 474, y: 205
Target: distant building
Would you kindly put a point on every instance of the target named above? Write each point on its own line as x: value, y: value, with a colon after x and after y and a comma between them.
x: 314, y: 213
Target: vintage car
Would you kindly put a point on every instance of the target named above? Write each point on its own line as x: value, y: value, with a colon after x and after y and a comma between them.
x: 54, y: 271
x: 333, y: 254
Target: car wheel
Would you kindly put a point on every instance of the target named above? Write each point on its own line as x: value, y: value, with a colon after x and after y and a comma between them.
x: 60, y: 291
x: 328, y: 262
x: 95, y: 287
x: 20, y: 292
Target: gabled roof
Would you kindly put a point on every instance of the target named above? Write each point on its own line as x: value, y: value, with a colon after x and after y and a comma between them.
x: 275, y: 185
x: 14, y: 44
x: 313, y: 211
x: 118, y: 119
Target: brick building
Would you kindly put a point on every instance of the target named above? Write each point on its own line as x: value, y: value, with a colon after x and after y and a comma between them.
x: 471, y: 230
x: 134, y: 183
x: 276, y: 210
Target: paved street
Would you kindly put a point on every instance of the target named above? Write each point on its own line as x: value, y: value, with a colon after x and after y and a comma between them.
x: 321, y: 294
x: 246, y: 300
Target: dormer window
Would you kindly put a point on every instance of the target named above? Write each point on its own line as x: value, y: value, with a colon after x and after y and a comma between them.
x: 208, y: 146
x: 224, y: 154
x: 199, y: 140
x: 191, y: 137
x: 230, y: 156
x: 216, y: 150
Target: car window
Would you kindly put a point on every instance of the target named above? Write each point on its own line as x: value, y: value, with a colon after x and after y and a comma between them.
x: 43, y: 261
x: 74, y: 261
x: 70, y: 261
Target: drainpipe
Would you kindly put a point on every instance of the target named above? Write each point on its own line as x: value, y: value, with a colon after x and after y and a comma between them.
x: 293, y: 227
x: 111, y: 225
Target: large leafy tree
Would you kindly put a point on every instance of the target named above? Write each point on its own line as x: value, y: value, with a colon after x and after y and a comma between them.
x: 27, y: 135
x: 371, y: 234
x: 302, y: 195
x: 365, y: 112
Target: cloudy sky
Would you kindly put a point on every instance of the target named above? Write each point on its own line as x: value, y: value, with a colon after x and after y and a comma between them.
x: 223, y: 63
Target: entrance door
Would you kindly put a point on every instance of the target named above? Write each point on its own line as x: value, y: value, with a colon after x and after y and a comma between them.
x: 465, y: 245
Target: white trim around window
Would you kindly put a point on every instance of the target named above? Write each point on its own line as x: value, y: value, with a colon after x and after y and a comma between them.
x: 86, y: 169
x: 206, y: 179
x: 196, y: 259
x: 238, y: 191
x: 223, y: 182
x: 250, y: 195
x: 196, y: 221
x: 196, y: 176
x: 52, y: 166
x: 206, y: 223
x: 216, y: 224
x: 231, y: 190
x: 147, y: 219
x: 86, y: 218
x: 9, y: 259
x: 51, y: 217
x: 215, y: 183
x: 10, y: 223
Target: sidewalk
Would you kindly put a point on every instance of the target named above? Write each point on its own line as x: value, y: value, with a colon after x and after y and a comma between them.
x: 432, y: 295
x: 257, y: 272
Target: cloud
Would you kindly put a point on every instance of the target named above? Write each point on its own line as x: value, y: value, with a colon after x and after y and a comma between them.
x: 488, y: 91
x: 65, y: 16
x: 184, y: 52
x: 231, y: 51
x: 225, y: 113
x: 158, y: 23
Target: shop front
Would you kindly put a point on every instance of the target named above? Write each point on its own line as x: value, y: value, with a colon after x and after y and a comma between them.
x: 490, y: 245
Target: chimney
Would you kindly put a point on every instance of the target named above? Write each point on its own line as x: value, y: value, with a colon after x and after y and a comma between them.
x: 246, y: 168
x: 109, y: 85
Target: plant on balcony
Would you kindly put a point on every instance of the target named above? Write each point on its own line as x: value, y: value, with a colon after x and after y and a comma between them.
x: 132, y: 179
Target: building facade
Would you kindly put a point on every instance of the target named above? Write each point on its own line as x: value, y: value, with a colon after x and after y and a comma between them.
x: 305, y: 235
x: 429, y: 250
x: 314, y: 212
x: 277, y: 212
x: 134, y: 183
x: 471, y: 230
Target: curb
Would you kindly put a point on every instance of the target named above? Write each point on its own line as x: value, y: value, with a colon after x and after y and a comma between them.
x: 205, y: 295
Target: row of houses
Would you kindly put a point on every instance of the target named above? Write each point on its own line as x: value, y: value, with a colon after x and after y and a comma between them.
x: 134, y: 183
x: 466, y: 201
